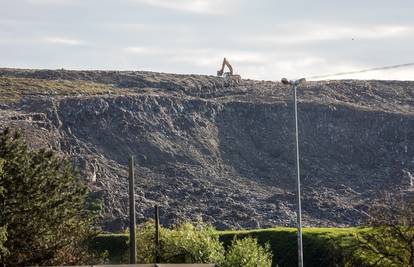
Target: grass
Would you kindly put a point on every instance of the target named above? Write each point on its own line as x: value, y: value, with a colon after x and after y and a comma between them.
x: 13, y: 89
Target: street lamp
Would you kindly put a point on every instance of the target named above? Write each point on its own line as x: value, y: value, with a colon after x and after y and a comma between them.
x: 295, y: 83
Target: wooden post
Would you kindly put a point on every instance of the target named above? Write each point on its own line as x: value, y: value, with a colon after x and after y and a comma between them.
x: 157, y: 234
x: 132, y: 236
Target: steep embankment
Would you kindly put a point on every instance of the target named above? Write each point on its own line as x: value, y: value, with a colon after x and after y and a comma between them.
x: 223, y: 152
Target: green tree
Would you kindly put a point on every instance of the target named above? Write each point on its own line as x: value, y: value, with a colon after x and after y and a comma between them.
x: 42, y: 206
x: 3, y: 229
x: 389, y: 240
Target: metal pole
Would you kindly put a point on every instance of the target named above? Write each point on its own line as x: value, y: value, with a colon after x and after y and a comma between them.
x: 299, y: 208
x: 132, y: 236
x: 157, y: 234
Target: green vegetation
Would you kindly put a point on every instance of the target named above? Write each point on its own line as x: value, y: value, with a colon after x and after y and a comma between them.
x: 390, y: 239
x: 42, y: 208
x: 385, y: 246
x: 116, y: 246
x: 3, y: 239
x: 185, y: 243
x: 322, y: 246
x: 47, y: 218
x: 247, y: 252
x: 13, y: 89
x: 3, y: 229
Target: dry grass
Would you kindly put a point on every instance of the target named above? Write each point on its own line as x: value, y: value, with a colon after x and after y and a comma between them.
x: 13, y: 89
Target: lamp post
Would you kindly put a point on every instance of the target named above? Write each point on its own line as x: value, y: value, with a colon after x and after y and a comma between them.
x: 295, y: 84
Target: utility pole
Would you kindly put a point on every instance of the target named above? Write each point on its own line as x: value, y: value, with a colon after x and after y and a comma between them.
x: 132, y: 236
x: 295, y: 83
x: 157, y: 234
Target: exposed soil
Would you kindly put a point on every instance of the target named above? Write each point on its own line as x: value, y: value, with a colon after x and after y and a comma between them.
x: 223, y: 152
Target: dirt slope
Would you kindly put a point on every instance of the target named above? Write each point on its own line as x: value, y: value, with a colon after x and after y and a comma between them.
x: 222, y: 152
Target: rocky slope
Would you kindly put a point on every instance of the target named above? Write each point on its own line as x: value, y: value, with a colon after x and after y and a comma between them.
x: 206, y: 148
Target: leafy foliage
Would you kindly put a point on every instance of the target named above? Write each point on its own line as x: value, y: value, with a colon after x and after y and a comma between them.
x: 390, y: 239
x: 188, y: 243
x: 195, y: 243
x: 42, y: 206
x: 3, y: 229
x: 247, y: 252
x: 322, y: 246
x: 185, y: 243
x: 330, y: 247
x: 114, y: 245
x: 3, y: 237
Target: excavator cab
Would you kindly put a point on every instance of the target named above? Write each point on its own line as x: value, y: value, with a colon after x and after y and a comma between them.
x: 228, y: 75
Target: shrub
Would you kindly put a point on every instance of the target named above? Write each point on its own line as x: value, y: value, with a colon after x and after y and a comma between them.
x: 189, y: 243
x: 322, y: 246
x: 247, y: 252
x: 197, y: 243
x: 114, y: 245
x: 145, y: 235
x: 184, y: 243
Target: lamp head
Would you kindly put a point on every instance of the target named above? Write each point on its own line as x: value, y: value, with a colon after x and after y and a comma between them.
x: 285, y: 81
x: 293, y: 82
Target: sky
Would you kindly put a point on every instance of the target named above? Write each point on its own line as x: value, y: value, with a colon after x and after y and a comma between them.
x: 262, y: 39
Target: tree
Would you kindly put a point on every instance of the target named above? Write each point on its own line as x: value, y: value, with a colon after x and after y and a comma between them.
x: 3, y: 232
x: 42, y: 207
x: 389, y: 240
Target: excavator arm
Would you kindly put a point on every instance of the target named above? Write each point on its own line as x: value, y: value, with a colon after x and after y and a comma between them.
x: 225, y: 63
x: 228, y: 76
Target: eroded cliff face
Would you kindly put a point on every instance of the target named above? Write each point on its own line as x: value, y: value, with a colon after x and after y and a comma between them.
x: 209, y: 149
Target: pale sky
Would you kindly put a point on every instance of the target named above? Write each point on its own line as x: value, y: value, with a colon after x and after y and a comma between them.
x: 263, y: 39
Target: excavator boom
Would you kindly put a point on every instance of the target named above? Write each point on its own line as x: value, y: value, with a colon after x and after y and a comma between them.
x: 225, y: 63
x: 229, y: 74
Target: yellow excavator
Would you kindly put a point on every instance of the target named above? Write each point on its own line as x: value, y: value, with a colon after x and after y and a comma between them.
x: 228, y: 75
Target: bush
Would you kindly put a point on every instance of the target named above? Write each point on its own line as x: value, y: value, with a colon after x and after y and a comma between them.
x: 114, y: 245
x: 247, y: 252
x: 322, y: 246
x: 145, y: 236
x: 330, y: 247
x: 185, y: 243
x: 189, y: 243
x: 193, y: 243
